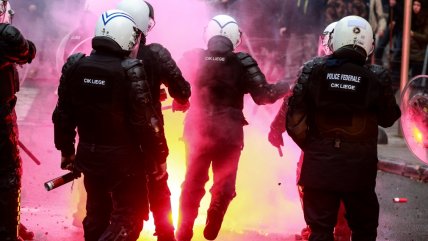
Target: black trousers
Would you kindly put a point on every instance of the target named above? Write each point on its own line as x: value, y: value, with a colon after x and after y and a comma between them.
x: 160, y: 205
x: 320, y: 208
x: 115, y: 204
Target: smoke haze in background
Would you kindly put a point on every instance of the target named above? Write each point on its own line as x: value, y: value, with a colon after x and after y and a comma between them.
x: 267, y: 198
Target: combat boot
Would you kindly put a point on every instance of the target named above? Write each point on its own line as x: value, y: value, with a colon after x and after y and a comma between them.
x: 215, y: 217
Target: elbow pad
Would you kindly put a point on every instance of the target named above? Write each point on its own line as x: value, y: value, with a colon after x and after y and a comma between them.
x: 260, y: 90
x: 137, y: 76
x: 178, y: 87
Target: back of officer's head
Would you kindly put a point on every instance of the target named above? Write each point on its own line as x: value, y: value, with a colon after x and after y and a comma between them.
x: 223, y: 25
x: 116, y: 29
x: 353, y: 35
x: 141, y: 11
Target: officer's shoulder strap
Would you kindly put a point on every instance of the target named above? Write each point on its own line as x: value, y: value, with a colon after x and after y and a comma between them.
x: 309, y: 66
x: 71, y: 61
x: 160, y: 52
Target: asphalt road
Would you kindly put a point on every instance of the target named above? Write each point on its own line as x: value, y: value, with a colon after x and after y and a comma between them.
x: 406, y: 221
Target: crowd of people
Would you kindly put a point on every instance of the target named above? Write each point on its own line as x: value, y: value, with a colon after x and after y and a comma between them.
x: 292, y: 26
x: 343, y: 90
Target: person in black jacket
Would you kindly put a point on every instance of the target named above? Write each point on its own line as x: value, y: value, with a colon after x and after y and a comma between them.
x: 106, y: 97
x: 14, y: 50
x: 333, y: 115
x: 161, y: 69
x: 213, y: 129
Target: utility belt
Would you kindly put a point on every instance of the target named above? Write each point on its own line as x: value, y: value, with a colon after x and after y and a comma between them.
x: 338, y: 139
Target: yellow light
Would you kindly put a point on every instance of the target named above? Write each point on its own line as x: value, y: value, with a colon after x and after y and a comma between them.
x: 417, y: 135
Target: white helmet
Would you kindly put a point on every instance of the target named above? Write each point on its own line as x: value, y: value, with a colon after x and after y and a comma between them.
x: 6, y: 12
x: 325, y: 38
x: 120, y: 27
x: 223, y: 25
x: 140, y: 11
x: 353, y: 31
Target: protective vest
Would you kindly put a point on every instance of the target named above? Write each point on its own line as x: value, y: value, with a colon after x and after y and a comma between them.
x: 220, y: 81
x: 99, y: 88
x: 343, y: 103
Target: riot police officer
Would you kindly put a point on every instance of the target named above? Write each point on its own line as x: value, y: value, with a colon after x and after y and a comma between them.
x: 14, y: 50
x: 213, y: 128
x: 106, y: 97
x: 161, y: 69
x: 333, y: 115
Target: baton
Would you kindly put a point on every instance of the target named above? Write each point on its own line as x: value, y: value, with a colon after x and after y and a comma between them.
x: 61, y: 180
x: 29, y: 153
x: 280, y: 151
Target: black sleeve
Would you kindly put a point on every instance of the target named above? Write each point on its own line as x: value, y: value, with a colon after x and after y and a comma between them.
x: 141, y: 103
x: 144, y: 118
x: 178, y: 87
x: 256, y: 84
x: 296, y: 116
x: 278, y: 124
x: 388, y: 109
x: 62, y: 117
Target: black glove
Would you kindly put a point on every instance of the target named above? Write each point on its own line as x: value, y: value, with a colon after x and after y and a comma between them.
x: 177, y: 106
x: 275, y: 138
x: 67, y: 162
x: 31, y: 51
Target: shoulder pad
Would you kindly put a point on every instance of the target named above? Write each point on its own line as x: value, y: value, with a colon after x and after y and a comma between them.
x: 311, y: 64
x: 160, y: 51
x: 377, y: 69
x: 246, y: 59
x: 129, y: 63
x: 155, y: 47
x: 380, y: 72
x: 71, y: 60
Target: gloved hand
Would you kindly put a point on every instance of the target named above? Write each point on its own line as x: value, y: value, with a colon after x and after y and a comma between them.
x: 67, y: 162
x: 275, y: 138
x: 159, y: 171
x: 31, y: 51
x: 176, y: 106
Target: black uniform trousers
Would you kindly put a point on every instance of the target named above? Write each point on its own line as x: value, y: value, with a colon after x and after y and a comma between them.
x: 320, y: 209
